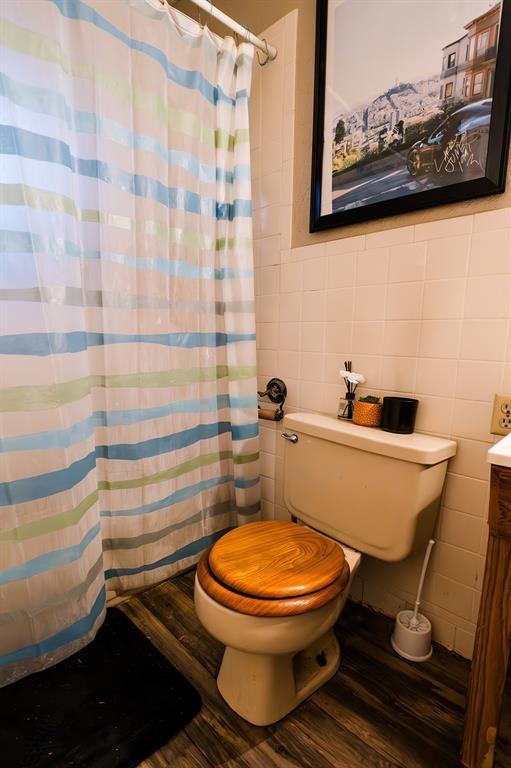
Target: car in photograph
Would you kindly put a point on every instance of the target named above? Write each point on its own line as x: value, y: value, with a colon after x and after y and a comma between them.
x: 458, y: 146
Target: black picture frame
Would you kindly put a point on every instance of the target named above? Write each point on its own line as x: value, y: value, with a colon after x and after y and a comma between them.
x: 493, y: 182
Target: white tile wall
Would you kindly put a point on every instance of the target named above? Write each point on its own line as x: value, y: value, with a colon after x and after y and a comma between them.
x: 423, y: 310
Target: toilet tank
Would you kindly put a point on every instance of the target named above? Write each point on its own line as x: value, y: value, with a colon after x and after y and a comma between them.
x: 376, y: 491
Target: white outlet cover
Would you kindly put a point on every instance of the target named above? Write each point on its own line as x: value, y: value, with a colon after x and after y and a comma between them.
x: 501, y: 414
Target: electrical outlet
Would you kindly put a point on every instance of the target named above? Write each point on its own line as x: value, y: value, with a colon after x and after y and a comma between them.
x: 501, y: 416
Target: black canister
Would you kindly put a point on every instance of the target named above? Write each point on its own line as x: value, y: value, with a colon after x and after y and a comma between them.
x: 399, y: 414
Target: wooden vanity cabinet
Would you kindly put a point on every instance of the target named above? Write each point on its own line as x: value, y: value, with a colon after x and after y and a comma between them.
x: 493, y: 635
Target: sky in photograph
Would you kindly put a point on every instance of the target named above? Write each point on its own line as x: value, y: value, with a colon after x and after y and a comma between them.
x: 379, y: 42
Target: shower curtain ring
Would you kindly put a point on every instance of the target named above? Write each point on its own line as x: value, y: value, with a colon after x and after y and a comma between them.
x: 263, y: 63
x: 210, y: 14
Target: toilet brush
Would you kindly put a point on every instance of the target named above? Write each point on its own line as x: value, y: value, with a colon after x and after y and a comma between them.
x: 412, y: 632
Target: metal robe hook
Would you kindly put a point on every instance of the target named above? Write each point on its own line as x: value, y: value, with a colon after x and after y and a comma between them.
x: 265, y: 62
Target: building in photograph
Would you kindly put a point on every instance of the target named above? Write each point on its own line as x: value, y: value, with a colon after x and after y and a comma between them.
x: 481, y: 55
x: 451, y: 77
x: 468, y: 64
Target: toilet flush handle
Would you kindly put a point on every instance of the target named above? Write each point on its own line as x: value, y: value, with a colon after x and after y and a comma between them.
x: 291, y: 438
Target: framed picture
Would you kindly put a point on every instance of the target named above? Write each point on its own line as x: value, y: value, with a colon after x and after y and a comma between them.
x: 412, y: 105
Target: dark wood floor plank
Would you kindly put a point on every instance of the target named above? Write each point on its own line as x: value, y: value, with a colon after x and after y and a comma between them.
x: 293, y: 741
x: 345, y: 747
x: 177, y: 611
x: 419, y: 677
x: 444, y: 667
x: 179, y: 752
x: 380, y: 727
x: 216, y: 739
x: 186, y: 582
x: 416, y: 707
x: 267, y: 755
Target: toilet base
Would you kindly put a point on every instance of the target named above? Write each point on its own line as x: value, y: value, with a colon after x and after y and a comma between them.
x: 262, y: 689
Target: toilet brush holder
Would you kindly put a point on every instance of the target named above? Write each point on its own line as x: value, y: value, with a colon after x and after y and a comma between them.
x: 411, y: 638
x: 412, y: 642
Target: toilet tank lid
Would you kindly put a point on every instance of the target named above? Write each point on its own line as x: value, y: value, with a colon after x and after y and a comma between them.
x: 416, y: 448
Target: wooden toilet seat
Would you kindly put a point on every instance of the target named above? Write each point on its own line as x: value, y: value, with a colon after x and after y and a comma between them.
x: 273, y: 568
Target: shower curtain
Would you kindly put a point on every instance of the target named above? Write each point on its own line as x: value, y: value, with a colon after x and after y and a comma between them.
x: 128, y: 421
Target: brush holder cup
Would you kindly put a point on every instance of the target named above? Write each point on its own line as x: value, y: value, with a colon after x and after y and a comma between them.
x: 412, y: 642
x: 399, y: 414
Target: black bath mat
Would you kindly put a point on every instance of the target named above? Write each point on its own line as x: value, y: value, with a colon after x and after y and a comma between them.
x: 108, y: 706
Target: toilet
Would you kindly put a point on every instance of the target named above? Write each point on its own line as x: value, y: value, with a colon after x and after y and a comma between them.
x: 271, y: 591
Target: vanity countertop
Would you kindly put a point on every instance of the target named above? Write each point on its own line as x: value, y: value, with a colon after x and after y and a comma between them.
x: 501, y: 452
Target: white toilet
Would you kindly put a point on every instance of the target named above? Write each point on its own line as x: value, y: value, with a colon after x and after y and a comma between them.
x: 272, y: 591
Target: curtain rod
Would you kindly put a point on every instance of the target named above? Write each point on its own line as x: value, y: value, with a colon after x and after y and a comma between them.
x: 222, y: 17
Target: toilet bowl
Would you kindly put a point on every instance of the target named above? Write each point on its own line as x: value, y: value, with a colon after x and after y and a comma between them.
x: 271, y: 593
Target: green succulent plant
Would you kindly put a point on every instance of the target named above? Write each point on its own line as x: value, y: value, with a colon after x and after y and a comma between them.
x: 369, y: 399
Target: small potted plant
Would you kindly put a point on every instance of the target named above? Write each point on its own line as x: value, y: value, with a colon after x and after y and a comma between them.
x: 367, y: 411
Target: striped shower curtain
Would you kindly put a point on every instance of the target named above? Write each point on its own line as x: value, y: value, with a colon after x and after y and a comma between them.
x: 128, y: 422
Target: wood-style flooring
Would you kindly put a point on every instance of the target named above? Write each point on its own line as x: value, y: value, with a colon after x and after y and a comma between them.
x: 379, y: 711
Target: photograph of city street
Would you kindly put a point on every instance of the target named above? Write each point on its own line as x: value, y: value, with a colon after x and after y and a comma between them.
x: 409, y: 100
